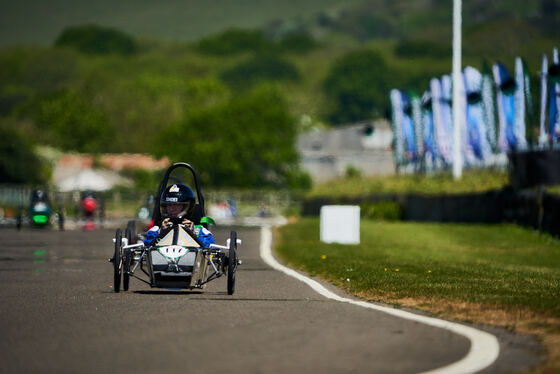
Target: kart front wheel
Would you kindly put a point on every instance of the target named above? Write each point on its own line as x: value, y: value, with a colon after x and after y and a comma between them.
x: 232, y: 262
x: 127, y: 257
x: 117, y: 261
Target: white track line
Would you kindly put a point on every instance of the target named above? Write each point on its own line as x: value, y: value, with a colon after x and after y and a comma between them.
x: 484, y: 346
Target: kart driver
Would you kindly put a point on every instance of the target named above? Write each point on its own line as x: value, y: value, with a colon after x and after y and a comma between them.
x: 177, y: 204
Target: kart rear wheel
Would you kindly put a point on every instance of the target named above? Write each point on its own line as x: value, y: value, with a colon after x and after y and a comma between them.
x: 132, y: 227
x: 232, y: 262
x: 127, y: 260
x: 117, y: 261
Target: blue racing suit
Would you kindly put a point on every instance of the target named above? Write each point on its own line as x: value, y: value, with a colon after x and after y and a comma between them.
x: 203, y: 234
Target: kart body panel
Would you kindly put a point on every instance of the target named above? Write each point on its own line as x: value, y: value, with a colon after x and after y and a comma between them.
x: 177, y: 261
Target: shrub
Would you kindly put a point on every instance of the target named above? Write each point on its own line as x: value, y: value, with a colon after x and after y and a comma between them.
x: 357, y: 86
x: 245, y: 142
x: 95, y: 39
x: 69, y: 121
x: 422, y: 48
x: 352, y: 172
x: 260, y: 68
x: 383, y: 210
x: 18, y: 162
x: 298, y: 179
x: 297, y: 42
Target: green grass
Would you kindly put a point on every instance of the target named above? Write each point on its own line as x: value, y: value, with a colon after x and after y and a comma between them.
x: 496, y: 265
x: 472, y: 181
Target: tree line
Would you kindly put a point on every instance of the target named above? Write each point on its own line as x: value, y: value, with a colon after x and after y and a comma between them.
x: 99, y: 89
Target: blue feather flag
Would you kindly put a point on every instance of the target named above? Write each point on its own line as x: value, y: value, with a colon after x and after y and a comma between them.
x: 443, y: 126
x: 408, y: 128
x: 429, y: 139
x: 554, y: 98
x: 505, y: 105
x: 477, y: 127
x: 543, y: 135
x: 520, y: 107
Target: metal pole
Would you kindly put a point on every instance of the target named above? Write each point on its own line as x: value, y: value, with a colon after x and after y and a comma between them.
x: 457, y: 119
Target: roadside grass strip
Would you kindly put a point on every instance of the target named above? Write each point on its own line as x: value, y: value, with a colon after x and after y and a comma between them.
x: 501, y: 275
x: 484, y: 349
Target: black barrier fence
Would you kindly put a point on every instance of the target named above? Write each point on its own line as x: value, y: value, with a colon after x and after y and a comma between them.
x: 530, y: 207
x: 533, y: 208
x: 534, y: 168
x: 454, y: 208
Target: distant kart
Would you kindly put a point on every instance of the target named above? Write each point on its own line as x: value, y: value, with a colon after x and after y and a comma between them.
x: 145, y: 212
x: 177, y: 259
x: 89, y: 204
x: 40, y: 212
x: 92, y: 209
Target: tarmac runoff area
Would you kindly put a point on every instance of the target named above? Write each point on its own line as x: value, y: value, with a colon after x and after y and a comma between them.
x: 59, y: 314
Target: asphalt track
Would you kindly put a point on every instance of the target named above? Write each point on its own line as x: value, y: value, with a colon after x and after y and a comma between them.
x: 58, y: 314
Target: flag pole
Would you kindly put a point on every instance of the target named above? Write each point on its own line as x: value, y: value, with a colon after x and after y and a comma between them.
x: 457, y: 119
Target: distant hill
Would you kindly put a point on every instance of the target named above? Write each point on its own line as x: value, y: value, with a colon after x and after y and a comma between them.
x: 513, y: 22
x: 492, y: 30
x: 431, y: 19
x: 39, y: 22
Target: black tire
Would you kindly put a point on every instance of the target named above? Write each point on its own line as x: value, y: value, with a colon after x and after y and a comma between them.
x: 128, y: 235
x: 61, y: 220
x: 127, y: 259
x: 132, y: 227
x: 117, y: 261
x: 232, y: 262
x: 19, y: 219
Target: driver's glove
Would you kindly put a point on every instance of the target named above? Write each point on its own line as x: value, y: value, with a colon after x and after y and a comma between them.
x: 166, y: 223
x: 188, y: 223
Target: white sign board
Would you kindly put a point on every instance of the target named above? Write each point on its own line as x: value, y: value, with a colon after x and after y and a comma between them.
x: 340, y: 224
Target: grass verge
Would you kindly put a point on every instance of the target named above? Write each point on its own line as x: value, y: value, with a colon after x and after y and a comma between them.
x: 501, y: 275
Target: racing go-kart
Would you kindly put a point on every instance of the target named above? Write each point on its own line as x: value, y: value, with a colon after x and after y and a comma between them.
x: 40, y: 212
x: 176, y: 259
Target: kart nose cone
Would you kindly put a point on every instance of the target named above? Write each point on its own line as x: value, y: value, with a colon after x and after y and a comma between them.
x: 40, y: 219
x: 173, y: 252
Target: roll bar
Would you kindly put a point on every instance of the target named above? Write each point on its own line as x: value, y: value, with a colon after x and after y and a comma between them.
x: 156, y: 214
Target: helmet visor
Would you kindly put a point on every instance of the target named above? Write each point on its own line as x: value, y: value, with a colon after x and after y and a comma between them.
x: 171, y: 210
